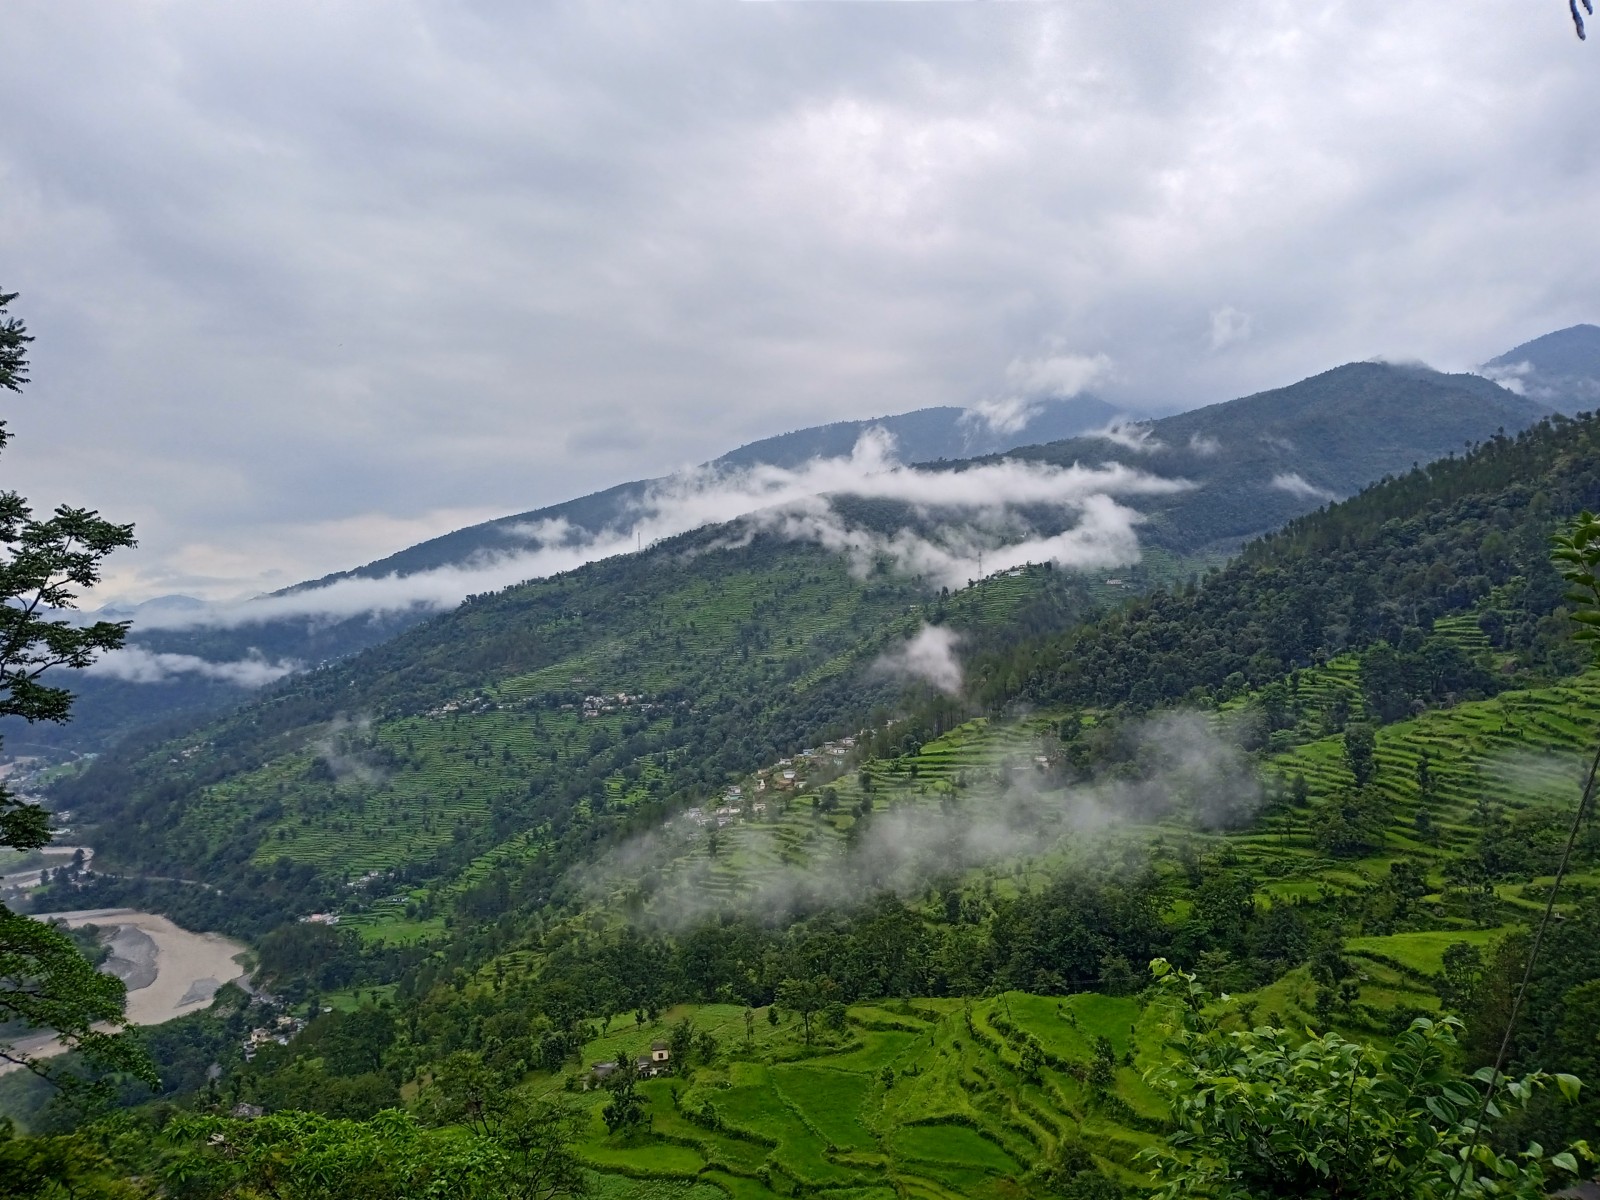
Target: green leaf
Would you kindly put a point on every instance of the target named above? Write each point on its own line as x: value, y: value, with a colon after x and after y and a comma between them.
x: 1566, y: 1162
x: 1569, y: 1085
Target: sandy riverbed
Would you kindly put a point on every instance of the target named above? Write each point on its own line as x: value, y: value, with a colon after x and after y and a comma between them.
x: 168, y: 971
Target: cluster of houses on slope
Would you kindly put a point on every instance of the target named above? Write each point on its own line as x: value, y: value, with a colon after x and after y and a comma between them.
x: 788, y: 774
x: 648, y: 1066
x: 594, y: 706
x: 280, y: 1031
x: 471, y: 704
x: 785, y: 775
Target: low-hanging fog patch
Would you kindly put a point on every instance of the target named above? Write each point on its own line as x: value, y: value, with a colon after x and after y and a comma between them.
x: 929, y: 656
x: 343, y: 750
x: 1030, y: 381
x: 1297, y: 484
x: 1552, y: 776
x: 1130, y: 435
x: 965, y: 516
x: 135, y: 664
x: 1165, y: 765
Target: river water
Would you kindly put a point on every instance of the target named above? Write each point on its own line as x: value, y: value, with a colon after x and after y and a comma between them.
x: 169, y: 971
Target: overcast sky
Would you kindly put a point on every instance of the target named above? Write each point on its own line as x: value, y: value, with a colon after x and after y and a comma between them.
x: 313, y: 281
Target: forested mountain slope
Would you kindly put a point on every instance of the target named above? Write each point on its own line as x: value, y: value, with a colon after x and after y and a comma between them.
x: 109, y: 706
x: 1443, y: 539
x: 482, y: 725
x: 1264, y: 459
x: 1331, y: 777
x: 551, y: 712
x: 1260, y: 460
x: 1561, y: 369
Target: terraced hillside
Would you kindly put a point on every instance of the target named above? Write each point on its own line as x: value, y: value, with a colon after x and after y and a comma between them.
x: 1503, y: 772
x: 546, y: 713
x: 741, y: 813
x: 928, y: 1098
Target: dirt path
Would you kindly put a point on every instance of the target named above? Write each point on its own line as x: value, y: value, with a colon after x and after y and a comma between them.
x: 59, y: 856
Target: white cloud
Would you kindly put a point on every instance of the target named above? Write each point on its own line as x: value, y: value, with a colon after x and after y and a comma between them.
x: 972, y: 514
x: 1129, y: 434
x: 1297, y: 485
x: 1009, y: 414
x: 1204, y: 445
x: 1032, y: 380
x: 1511, y: 376
x: 1229, y: 325
x: 930, y: 656
x: 1059, y: 374
x: 134, y: 664
x: 959, y: 552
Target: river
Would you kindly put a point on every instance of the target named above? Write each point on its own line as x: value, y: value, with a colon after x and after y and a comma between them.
x: 169, y: 971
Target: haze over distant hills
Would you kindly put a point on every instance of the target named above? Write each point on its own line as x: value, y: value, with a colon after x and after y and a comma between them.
x: 1264, y: 459
x: 1561, y: 369
x: 1254, y: 463
x: 924, y: 436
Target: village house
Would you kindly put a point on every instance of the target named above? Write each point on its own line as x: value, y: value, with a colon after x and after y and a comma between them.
x: 648, y: 1066
x: 280, y: 1031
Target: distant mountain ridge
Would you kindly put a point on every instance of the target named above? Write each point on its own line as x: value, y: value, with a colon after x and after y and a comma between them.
x: 923, y: 436
x: 1561, y: 369
x: 532, y: 722
x: 108, y: 707
x: 1258, y: 461
x: 1264, y: 459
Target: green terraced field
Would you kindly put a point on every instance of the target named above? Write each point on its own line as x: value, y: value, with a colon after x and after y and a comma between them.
x: 908, y: 1100
x: 1517, y: 750
x: 1478, y: 752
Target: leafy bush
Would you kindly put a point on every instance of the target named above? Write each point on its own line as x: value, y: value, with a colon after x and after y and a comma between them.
x: 1259, y: 1116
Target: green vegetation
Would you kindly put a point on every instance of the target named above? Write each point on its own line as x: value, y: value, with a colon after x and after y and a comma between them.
x: 896, y: 941
x: 46, y: 983
x: 1261, y: 1113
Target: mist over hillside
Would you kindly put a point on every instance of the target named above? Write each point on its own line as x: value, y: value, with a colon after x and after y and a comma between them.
x: 1245, y: 466
x: 1128, y: 725
x: 1262, y: 460
x: 187, y: 657
x: 1560, y: 369
x: 623, y: 688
